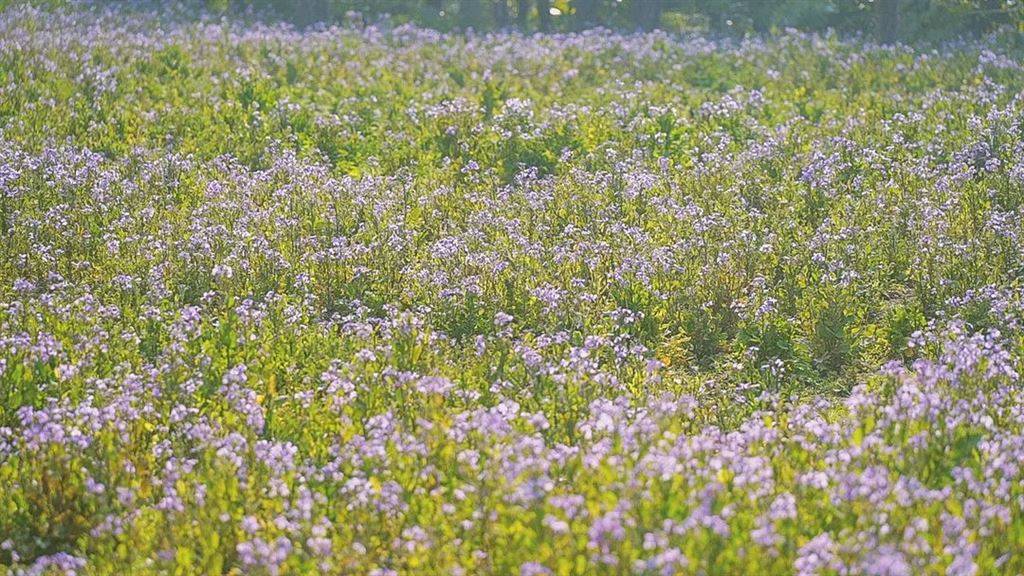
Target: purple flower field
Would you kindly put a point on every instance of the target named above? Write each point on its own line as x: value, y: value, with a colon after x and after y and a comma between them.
x: 382, y: 300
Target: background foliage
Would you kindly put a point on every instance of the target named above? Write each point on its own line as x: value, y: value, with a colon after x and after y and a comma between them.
x: 887, y: 20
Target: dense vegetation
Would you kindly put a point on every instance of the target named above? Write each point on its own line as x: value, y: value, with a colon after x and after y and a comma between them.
x: 886, y: 20
x: 372, y: 300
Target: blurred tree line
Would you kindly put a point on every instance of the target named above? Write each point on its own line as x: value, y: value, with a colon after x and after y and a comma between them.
x: 886, y: 20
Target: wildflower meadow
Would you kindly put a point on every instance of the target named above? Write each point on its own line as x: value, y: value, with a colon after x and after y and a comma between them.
x: 376, y: 299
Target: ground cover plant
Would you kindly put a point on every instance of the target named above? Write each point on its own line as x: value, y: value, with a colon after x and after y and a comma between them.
x: 381, y: 300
